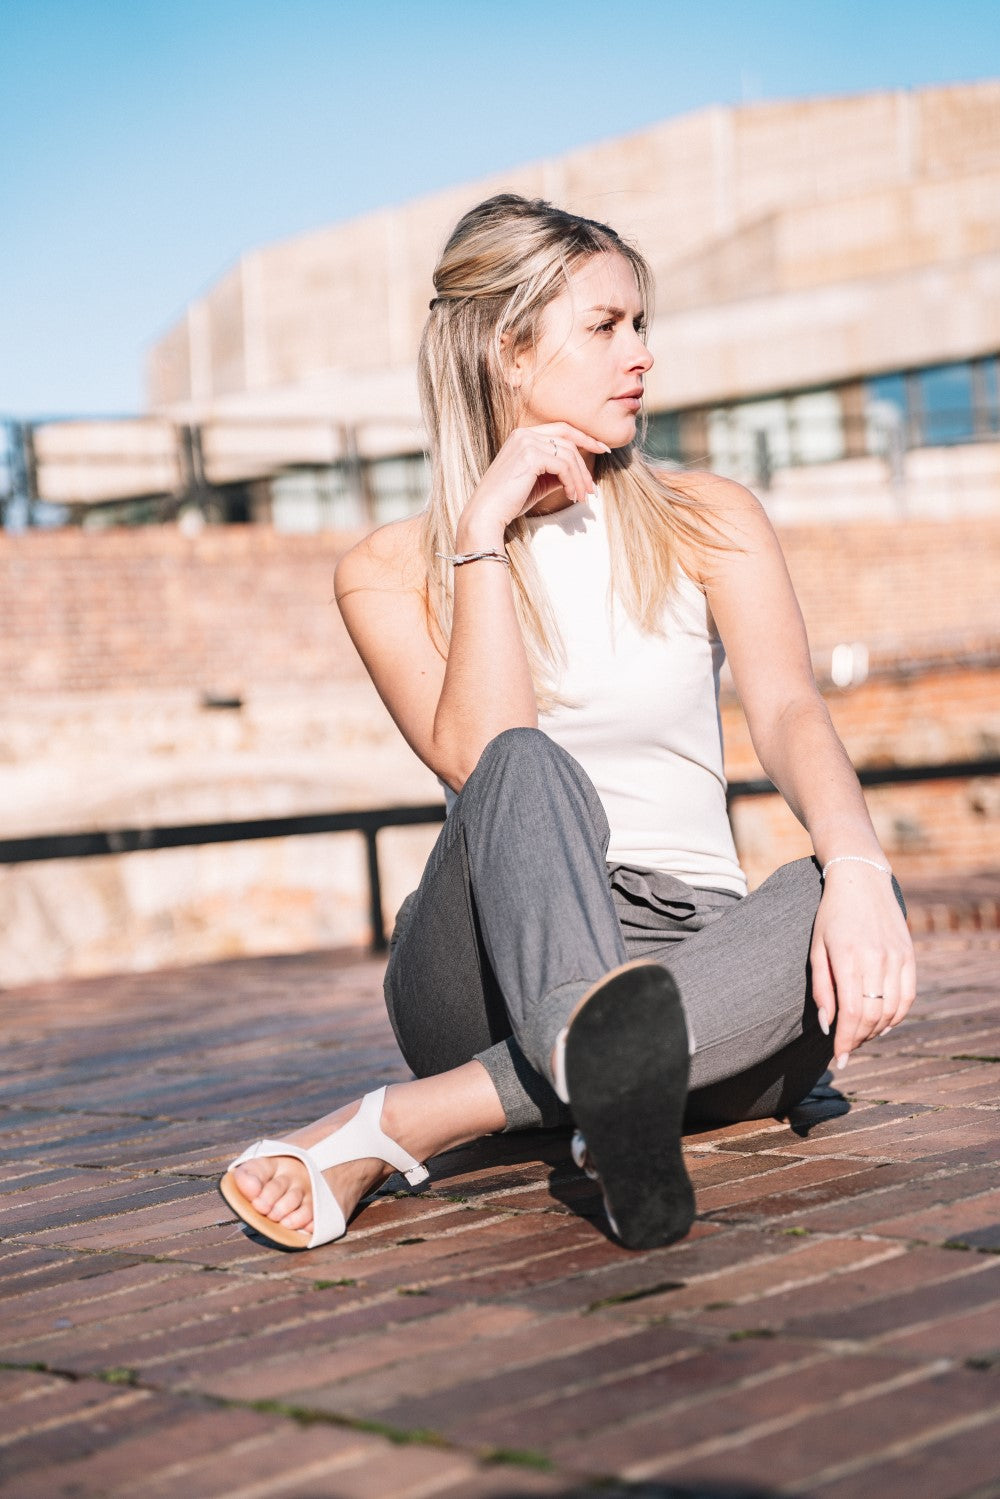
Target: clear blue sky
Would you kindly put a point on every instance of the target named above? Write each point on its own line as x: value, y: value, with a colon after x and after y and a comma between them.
x: 146, y: 143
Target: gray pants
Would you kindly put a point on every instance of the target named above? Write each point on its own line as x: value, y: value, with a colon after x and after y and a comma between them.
x: 518, y: 914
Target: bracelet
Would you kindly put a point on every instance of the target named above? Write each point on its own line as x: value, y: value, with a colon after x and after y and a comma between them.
x: 853, y: 859
x: 461, y: 558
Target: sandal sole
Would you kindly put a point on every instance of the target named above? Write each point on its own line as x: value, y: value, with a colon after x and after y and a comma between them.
x: 627, y: 1066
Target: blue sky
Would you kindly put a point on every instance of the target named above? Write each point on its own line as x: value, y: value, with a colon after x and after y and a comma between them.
x: 146, y: 143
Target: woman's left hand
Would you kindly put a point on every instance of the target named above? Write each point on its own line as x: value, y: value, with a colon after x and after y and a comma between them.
x: 863, y: 969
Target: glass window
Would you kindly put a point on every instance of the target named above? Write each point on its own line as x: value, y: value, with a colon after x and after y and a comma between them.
x: 988, y: 402
x: 817, y: 427
x: 317, y: 500
x: 946, y: 405
x: 399, y: 486
x: 663, y: 435
x: 748, y: 441
x: 886, y: 412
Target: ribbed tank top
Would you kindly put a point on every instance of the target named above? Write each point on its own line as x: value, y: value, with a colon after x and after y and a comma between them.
x: 642, y: 713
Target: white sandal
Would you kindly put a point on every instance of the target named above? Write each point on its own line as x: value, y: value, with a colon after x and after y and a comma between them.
x: 356, y: 1140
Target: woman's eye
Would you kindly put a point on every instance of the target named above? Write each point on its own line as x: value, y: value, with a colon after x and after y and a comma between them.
x: 607, y: 327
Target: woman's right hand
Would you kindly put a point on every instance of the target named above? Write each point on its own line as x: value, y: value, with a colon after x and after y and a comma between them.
x: 533, y: 463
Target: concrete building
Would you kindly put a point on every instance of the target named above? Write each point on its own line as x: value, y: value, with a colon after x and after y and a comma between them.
x: 827, y: 322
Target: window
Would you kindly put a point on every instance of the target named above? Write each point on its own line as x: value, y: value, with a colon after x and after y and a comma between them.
x: 986, y: 375
x: 316, y: 500
x: 817, y: 427
x: 663, y: 435
x: 748, y: 441
x: 886, y: 413
x: 399, y: 486
x: 944, y: 393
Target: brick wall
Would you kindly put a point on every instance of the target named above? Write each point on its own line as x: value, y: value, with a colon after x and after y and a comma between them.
x: 245, y: 606
x: 228, y: 610
x: 903, y: 587
x: 110, y: 639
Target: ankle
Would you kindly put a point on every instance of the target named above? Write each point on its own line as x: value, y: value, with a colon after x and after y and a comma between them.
x: 402, y: 1121
x: 432, y: 1114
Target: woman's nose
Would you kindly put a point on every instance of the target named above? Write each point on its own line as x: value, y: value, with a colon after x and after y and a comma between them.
x: 641, y: 357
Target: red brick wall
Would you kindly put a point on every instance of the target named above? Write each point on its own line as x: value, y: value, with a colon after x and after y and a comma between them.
x: 929, y: 828
x: 242, y: 607
x: 86, y: 611
x: 899, y: 586
x: 125, y: 609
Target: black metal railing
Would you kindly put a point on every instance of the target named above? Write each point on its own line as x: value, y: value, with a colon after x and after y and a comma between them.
x: 96, y: 844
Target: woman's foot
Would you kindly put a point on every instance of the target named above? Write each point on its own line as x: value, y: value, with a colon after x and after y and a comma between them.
x: 278, y: 1187
x: 342, y: 1157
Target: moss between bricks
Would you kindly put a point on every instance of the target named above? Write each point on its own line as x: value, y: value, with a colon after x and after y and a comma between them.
x: 515, y: 1457
x: 306, y: 1416
x: 641, y: 1295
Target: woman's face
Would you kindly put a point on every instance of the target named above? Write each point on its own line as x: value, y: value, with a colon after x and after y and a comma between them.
x: 589, y: 362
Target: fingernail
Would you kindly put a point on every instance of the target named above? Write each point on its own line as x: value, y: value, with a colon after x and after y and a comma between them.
x: 606, y: 449
x: 591, y: 497
x: 842, y: 1062
x: 824, y: 1024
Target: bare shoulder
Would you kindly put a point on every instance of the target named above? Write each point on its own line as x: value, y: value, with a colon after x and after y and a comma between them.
x: 386, y: 559
x: 729, y: 504
x: 734, y: 523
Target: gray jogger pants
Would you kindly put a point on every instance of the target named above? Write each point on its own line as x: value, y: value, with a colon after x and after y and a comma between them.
x: 518, y: 914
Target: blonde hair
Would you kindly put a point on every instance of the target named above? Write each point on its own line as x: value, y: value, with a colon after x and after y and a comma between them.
x: 505, y: 261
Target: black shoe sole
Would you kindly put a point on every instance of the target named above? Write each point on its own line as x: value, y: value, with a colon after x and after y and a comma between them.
x: 627, y: 1067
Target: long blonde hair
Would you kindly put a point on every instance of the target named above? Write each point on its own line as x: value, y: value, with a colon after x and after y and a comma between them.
x: 505, y: 261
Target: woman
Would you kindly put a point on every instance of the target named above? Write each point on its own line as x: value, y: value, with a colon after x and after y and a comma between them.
x: 548, y: 636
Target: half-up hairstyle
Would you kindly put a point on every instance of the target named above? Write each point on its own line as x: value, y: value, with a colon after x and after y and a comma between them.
x: 505, y: 261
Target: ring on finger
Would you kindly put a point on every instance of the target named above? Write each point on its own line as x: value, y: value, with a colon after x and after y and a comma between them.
x: 554, y: 448
x: 872, y: 996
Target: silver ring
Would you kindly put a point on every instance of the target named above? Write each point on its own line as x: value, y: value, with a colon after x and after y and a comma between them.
x: 554, y: 448
x: 872, y: 996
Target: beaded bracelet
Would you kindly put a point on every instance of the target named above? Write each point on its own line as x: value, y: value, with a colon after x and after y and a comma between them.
x: 853, y: 859
x: 461, y: 558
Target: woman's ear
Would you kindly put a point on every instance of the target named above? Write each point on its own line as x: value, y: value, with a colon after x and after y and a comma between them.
x: 509, y: 364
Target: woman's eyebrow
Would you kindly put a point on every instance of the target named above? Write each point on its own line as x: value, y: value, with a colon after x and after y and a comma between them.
x: 605, y: 311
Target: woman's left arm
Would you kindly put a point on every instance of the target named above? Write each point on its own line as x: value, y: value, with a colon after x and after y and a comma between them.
x: 863, y: 970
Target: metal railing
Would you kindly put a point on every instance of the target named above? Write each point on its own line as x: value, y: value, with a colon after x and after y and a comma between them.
x: 101, y: 843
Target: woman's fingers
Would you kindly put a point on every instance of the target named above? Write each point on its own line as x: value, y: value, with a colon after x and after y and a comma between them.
x: 575, y: 435
x: 824, y: 995
x: 862, y: 935
x: 558, y: 457
x: 568, y: 467
x: 531, y: 465
x: 872, y: 997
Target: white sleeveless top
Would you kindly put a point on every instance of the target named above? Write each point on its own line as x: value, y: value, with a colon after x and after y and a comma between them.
x: 642, y: 714
x: 642, y: 711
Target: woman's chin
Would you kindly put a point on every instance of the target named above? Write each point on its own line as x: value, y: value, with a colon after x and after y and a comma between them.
x: 619, y: 434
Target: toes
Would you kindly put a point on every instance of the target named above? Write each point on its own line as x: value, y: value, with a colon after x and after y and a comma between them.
x: 274, y: 1191
x: 291, y: 1201
x: 301, y: 1217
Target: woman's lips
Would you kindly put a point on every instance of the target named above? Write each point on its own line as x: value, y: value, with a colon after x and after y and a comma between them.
x: 633, y: 402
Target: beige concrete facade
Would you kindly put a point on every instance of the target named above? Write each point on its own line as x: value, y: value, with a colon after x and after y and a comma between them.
x: 800, y: 249
x: 794, y: 244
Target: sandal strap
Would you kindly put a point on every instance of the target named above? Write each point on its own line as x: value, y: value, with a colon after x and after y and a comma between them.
x: 364, y: 1136
x: 359, y: 1138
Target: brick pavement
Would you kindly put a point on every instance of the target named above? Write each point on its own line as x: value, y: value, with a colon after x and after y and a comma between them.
x: 831, y: 1327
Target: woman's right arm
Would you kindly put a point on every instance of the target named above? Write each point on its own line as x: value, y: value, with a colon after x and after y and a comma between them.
x: 448, y: 707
